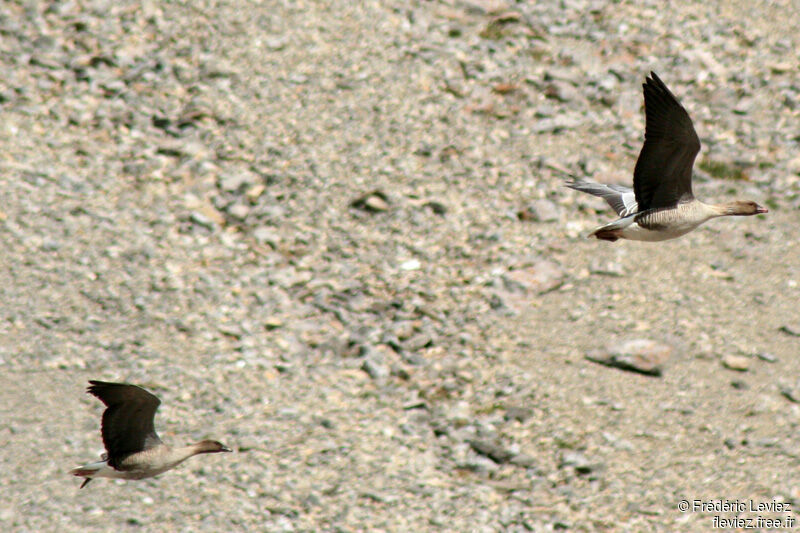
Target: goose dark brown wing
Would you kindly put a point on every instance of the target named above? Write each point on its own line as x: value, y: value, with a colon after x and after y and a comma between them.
x: 128, y: 419
x: 663, y: 173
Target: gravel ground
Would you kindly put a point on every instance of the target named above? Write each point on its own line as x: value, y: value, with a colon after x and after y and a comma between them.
x: 333, y: 236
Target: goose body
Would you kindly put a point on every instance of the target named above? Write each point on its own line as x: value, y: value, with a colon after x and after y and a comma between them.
x: 144, y: 464
x: 133, y: 448
x: 661, y: 205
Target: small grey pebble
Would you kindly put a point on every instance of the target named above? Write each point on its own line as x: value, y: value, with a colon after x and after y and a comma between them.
x: 768, y: 357
x: 519, y: 414
x: 239, y: 211
x: 493, y: 451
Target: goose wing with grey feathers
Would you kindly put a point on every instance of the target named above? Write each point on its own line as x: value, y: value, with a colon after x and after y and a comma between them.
x: 621, y: 199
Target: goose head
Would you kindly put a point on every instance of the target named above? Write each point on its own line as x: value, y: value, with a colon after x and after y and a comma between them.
x: 744, y: 208
x: 210, y: 446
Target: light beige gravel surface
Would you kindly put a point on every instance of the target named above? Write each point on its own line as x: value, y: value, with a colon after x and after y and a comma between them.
x: 177, y: 181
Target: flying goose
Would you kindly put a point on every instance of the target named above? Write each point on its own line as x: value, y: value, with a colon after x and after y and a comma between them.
x: 661, y: 205
x: 133, y: 448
